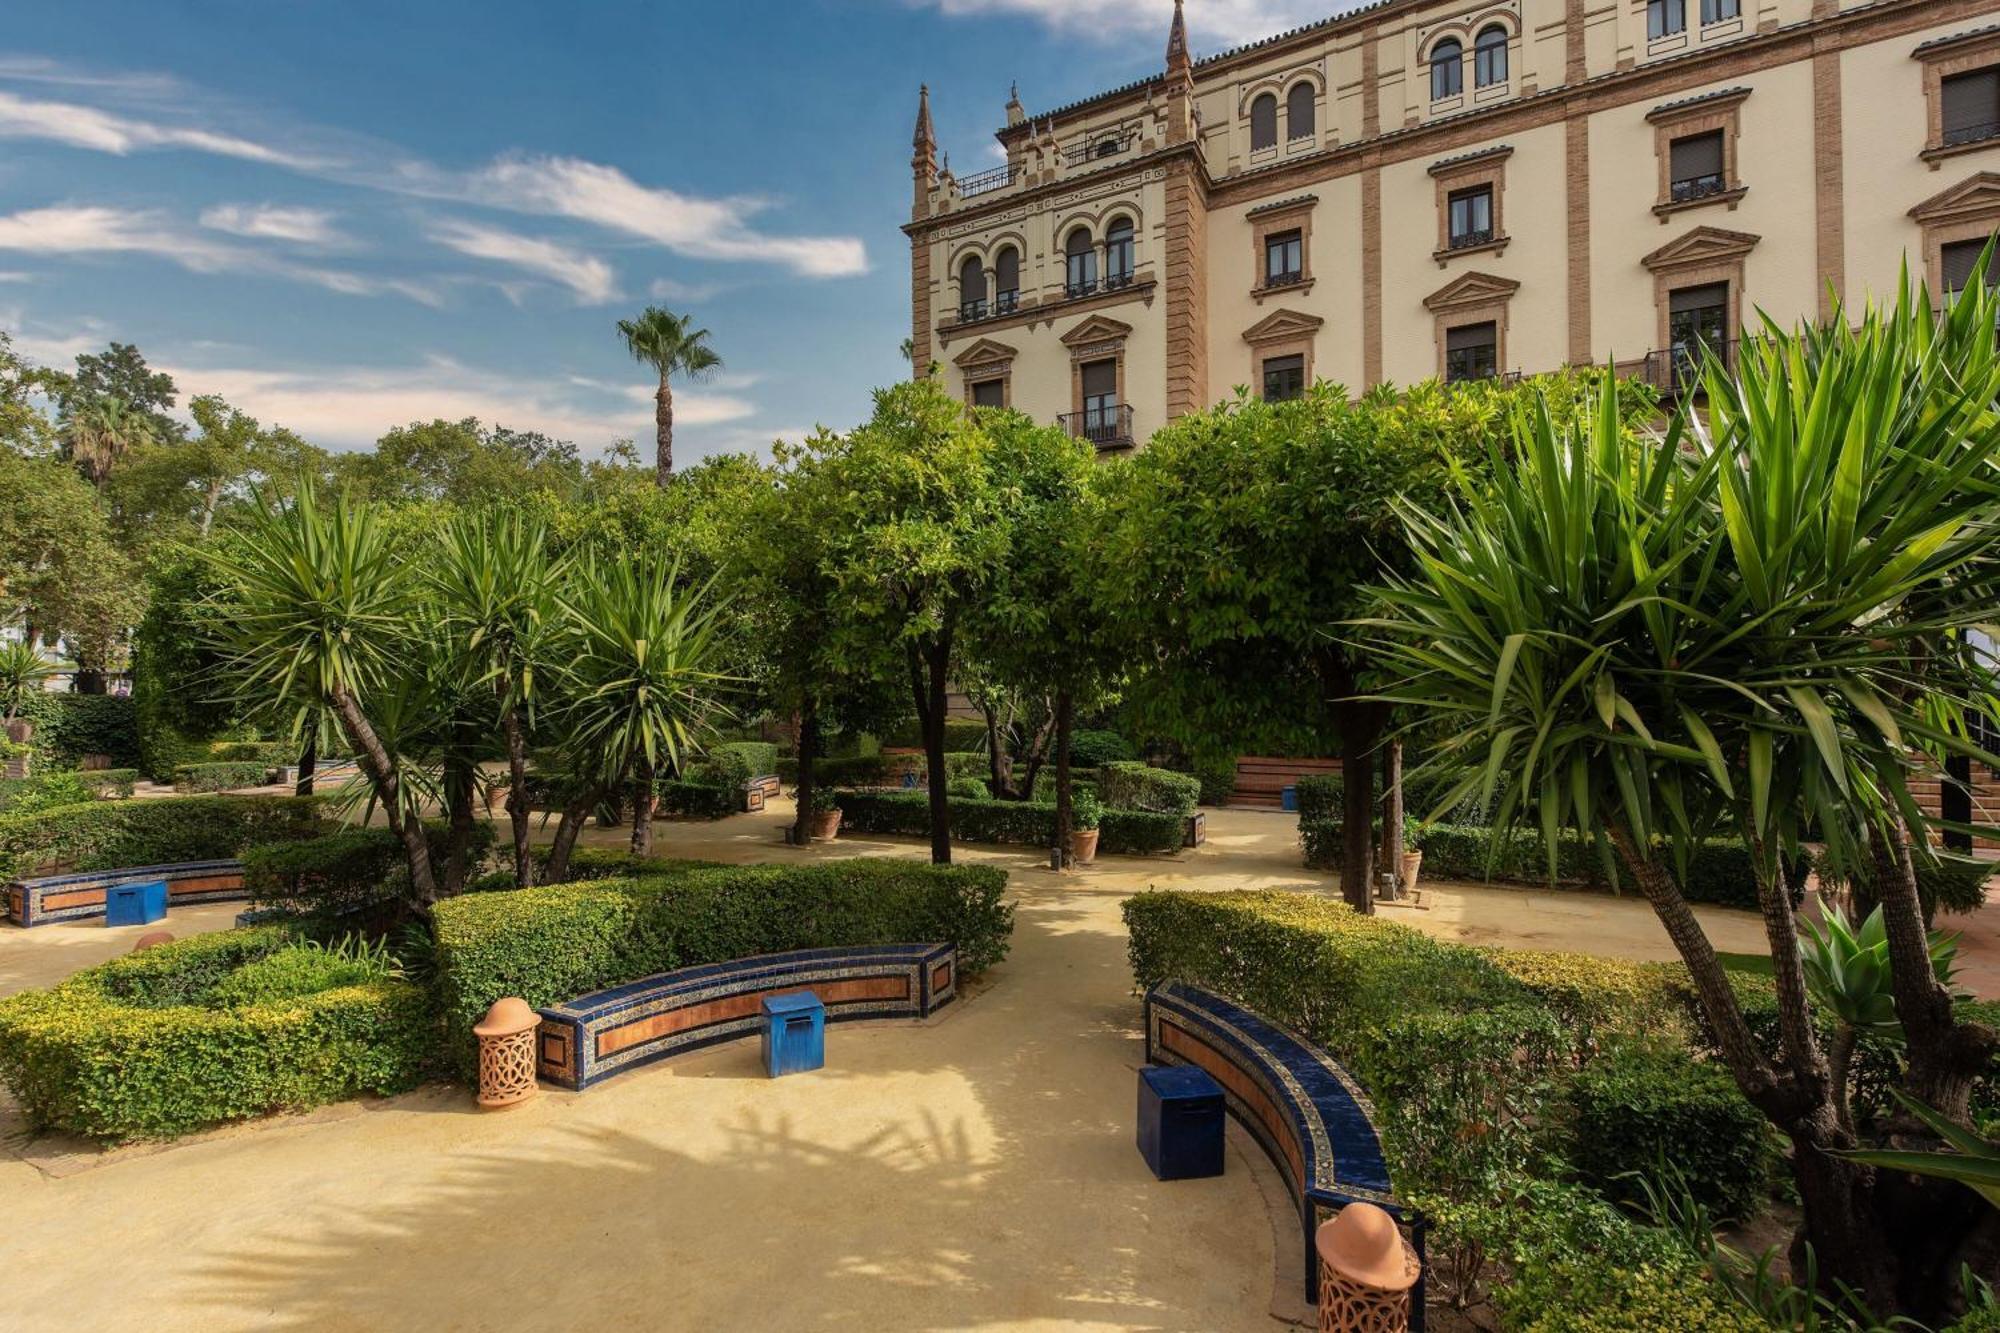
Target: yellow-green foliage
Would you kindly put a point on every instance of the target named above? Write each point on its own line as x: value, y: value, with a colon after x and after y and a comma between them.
x: 1607, y: 994
x: 149, y: 1045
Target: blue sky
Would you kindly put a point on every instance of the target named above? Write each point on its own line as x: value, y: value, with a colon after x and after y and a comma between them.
x: 347, y: 216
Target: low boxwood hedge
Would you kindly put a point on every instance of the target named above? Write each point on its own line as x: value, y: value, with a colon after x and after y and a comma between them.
x: 1045, y: 783
x: 556, y: 942
x: 908, y: 814
x: 153, y: 1044
x: 698, y: 800
x: 272, y: 754
x: 1133, y: 786
x: 105, y: 835
x: 1320, y: 797
x: 226, y: 775
x: 960, y: 736
x: 733, y: 763
x: 109, y: 784
x: 1088, y: 748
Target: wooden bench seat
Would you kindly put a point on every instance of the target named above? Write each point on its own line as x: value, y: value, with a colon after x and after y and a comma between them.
x: 607, y: 1032
x: 1261, y: 779
x: 1304, y: 1110
x: 46, y: 899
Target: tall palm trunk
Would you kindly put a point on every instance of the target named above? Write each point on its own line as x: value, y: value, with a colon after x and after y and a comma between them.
x: 663, y: 433
x: 645, y: 800
x: 308, y: 761
x: 517, y: 794
x: 374, y: 759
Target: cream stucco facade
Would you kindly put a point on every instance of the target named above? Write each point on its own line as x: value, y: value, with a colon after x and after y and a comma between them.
x: 1425, y: 187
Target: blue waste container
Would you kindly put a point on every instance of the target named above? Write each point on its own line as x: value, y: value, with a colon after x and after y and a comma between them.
x: 135, y: 902
x: 1180, y: 1122
x: 794, y: 1033
x: 1289, y: 798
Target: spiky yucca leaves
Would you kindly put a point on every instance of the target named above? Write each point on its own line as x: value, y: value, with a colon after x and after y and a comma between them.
x: 23, y: 670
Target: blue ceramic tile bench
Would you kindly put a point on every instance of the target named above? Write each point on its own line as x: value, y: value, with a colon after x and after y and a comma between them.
x: 607, y: 1032
x: 81, y: 895
x: 1297, y: 1102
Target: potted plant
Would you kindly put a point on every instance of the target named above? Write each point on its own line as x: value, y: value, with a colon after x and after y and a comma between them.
x: 825, y: 814
x: 1086, y: 812
x: 1413, y: 857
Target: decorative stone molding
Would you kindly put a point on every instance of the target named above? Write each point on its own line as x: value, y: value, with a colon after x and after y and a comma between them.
x: 1941, y: 59
x: 1270, y: 220
x: 1098, y: 338
x: 1031, y: 313
x: 984, y: 362
x: 1967, y: 211
x: 1472, y: 298
x: 1283, y: 332
x: 1487, y: 168
x: 1704, y: 255
x: 1684, y: 119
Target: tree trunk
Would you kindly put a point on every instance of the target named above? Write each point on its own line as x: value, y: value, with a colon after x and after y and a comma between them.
x: 929, y: 664
x: 1065, y: 726
x: 663, y: 434
x: 308, y: 761
x: 1392, y: 817
x: 518, y: 814
x: 210, y: 497
x: 374, y: 759
x: 574, y: 813
x: 645, y: 800
x: 999, y: 764
x: 1360, y: 731
x: 1806, y: 1062
x: 460, y: 786
x: 808, y: 748
x: 1037, y: 753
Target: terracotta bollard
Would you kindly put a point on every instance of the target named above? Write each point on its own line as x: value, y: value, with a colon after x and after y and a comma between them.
x: 1366, y: 1270
x: 506, y: 1053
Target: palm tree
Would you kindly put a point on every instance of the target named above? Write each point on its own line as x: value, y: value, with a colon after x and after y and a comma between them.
x: 663, y: 340
x: 97, y: 433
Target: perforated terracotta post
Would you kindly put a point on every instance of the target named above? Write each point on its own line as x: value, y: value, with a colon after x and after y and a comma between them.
x: 1366, y: 1270
x: 506, y: 1053
x: 153, y: 939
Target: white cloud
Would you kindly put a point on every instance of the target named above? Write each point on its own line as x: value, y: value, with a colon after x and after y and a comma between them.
x: 301, y: 226
x: 686, y: 224
x: 7, y: 276
x: 1211, y: 23
x: 588, y: 276
x: 672, y: 289
x: 109, y: 132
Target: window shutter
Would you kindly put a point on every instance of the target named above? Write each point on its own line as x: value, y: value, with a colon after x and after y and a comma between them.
x: 1708, y: 296
x: 1007, y: 270
x: 1100, y: 379
x: 1264, y: 122
x: 1971, y: 104
x: 1697, y: 155
x: 1467, y: 337
x: 1959, y: 257
x: 989, y: 393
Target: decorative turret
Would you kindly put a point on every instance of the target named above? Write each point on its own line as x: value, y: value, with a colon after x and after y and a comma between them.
x: 923, y: 156
x: 1016, y: 113
x: 1180, y: 81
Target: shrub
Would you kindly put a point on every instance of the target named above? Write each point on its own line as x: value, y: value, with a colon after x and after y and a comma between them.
x: 1320, y: 798
x: 43, y: 791
x: 1122, y: 832
x: 1135, y: 786
x: 698, y: 800
x: 70, y: 726
x: 960, y: 737
x: 151, y: 1045
x: 1086, y: 812
x: 1217, y: 776
x: 1323, y: 843
x: 1719, y: 872
x: 973, y: 789
x: 224, y: 776
x: 734, y: 763
x: 1140, y: 833
x: 304, y: 968
x: 1639, y: 1105
x: 549, y: 944
x: 107, y: 835
x: 271, y: 754
x: 109, y: 784
x: 1089, y: 749
x: 1079, y: 778
x: 344, y: 877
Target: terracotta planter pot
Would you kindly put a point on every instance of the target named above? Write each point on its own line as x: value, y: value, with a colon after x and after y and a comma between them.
x: 1083, y: 845
x: 1412, y: 863
x: 826, y: 826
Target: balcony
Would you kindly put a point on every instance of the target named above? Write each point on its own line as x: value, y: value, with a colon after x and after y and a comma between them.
x: 1105, y: 427
x: 1698, y: 187
x: 1467, y: 240
x: 1675, y: 372
x: 1109, y: 146
x: 1274, y: 281
x: 985, y: 182
x: 1005, y: 303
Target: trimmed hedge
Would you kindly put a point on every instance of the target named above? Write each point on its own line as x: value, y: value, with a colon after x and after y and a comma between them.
x: 109, y: 784
x: 146, y: 1045
x: 105, y: 835
x: 1045, y: 783
x: 70, y: 726
x: 272, y: 754
x: 734, y: 763
x: 1217, y: 776
x: 1121, y: 833
x: 225, y: 775
x: 1135, y: 786
x: 342, y: 878
x: 960, y: 737
x: 1091, y: 748
x: 1950, y: 884
x: 698, y: 800
x: 1321, y: 796
x: 553, y: 943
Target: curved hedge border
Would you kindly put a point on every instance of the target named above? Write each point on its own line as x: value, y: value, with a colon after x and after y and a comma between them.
x: 117, y: 1052
x: 104, y: 835
x: 1121, y: 832
x: 556, y: 942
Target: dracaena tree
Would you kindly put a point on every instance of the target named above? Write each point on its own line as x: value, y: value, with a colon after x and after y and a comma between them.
x: 1748, y: 627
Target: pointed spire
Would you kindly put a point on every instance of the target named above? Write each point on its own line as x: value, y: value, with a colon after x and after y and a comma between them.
x: 925, y: 138
x: 1177, y: 47
x: 1016, y: 113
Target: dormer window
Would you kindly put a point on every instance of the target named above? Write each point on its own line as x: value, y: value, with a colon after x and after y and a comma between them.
x: 1489, y: 57
x: 1264, y: 122
x: 1299, y: 112
x: 1447, y: 69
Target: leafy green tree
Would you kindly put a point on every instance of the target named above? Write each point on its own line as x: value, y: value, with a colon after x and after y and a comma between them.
x: 177, y: 674
x: 98, y: 432
x: 121, y: 372
x: 663, y: 340
x: 24, y: 427
x: 463, y: 462
x: 914, y: 530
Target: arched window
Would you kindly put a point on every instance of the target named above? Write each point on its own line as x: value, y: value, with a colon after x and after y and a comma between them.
x: 1006, y: 280
x: 1447, y: 69
x: 971, y: 289
x: 1489, y: 57
x: 1299, y: 111
x: 1264, y: 122
x: 1118, y: 253
x: 1080, y: 277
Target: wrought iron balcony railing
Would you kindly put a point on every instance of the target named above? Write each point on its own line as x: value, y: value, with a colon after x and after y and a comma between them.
x: 1290, y: 278
x: 1096, y: 148
x: 1698, y: 187
x: 999, y: 178
x: 1971, y: 133
x: 1084, y: 287
x: 1105, y: 427
x: 1465, y: 240
x: 1676, y: 371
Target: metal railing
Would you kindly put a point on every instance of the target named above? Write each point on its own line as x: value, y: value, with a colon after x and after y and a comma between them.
x: 1096, y: 148
x: 1698, y: 187
x: 1675, y: 371
x: 1971, y: 133
x: 1004, y: 303
x: 1105, y: 427
x: 1072, y: 290
x: 1465, y: 240
x: 1291, y: 278
x: 999, y: 178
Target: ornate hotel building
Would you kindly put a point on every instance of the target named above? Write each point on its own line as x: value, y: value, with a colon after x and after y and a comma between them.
x: 1455, y: 188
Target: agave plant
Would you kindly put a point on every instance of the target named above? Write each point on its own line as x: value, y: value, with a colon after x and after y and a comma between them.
x: 23, y: 669
x: 1975, y: 1163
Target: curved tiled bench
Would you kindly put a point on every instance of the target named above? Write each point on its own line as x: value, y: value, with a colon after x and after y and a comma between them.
x: 1297, y: 1102
x: 80, y: 895
x: 607, y: 1032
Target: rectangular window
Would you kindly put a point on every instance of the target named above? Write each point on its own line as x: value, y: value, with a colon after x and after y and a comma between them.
x: 1971, y: 105
x: 1471, y: 352
x: 1721, y: 11
x: 1957, y: 259
x: 1471, y: 216
x: 1697, y: 320
x: 1664, y: 18
x: 1283, y: 256
x: 1284, y: 378
x: 989, y: 393
x: 1100, y: 401
x: 1696, y: 169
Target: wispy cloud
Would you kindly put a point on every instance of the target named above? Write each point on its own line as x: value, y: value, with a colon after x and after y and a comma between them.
x: 586, y: 275
x: 109, y: 132
x: 686, y: 224
x: 672, y: 289
x: 1211, y: 23
x: 273, y: 222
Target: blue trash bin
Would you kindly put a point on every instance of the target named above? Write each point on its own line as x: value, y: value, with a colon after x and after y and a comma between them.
x: 794, y: 1033
x: 135, y: 902
x: 1289, y: 798
x: 1180, y: 1122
